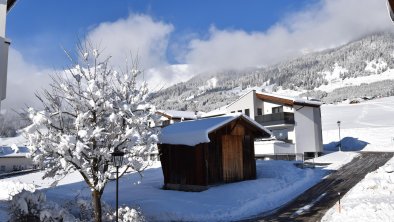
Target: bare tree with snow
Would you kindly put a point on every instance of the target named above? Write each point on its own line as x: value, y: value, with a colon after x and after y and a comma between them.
x: 89, y: 112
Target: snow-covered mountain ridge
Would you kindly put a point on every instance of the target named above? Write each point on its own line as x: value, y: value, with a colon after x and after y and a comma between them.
x: 362, y: 68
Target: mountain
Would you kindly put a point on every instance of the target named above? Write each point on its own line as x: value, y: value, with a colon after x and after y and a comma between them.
x: 362, y: 68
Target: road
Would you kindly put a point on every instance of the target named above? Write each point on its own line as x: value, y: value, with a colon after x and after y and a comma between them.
x: 314, y: 203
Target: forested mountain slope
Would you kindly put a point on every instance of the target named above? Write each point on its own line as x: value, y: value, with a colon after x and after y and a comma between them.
x: 357, y: 69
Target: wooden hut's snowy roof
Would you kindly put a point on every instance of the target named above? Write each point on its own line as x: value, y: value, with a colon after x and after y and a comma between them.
x: 194, y: 132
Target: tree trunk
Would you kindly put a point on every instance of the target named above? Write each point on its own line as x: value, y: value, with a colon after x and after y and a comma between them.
x: 96, y: 196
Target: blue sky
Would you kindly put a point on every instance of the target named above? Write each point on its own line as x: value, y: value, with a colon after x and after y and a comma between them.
x: 204, y: 35
x: 38, y: 28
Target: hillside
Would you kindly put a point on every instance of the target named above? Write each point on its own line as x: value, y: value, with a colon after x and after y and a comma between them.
x: 362, y: 68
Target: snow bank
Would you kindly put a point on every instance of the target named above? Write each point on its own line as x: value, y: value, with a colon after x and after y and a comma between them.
x: 377, y: 138
x: 347, y: 144
x: 335, y: 159
x: 370, y: 200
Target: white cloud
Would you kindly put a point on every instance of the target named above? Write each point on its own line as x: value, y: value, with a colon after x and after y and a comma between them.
x: 140, y: 35
x: 327, y: 24
x: 23, y: 81
x: 137, y: 34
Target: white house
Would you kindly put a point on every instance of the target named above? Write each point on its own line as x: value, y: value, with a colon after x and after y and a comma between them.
x: 14, y: 158
x: 168, y: 117
x: 295, y: 121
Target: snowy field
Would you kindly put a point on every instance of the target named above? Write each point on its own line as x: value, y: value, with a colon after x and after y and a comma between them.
x: 371, y: 122
x: 367, y: 126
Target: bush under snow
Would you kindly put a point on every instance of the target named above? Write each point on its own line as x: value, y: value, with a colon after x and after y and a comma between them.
x: 33, y: 206
x: 28, y: 206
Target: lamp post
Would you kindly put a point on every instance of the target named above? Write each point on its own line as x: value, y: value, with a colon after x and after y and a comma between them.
x: 339, y: 134
x: 117, y: 160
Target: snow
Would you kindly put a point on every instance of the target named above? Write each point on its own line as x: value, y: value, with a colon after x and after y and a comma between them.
x: 335, y: 75
x: 179, y: 114
x: 370, y: 200
x: 369, y: 122
x: 19, y: 140
x: 216, y: 112
x: 308, y: 206
x: 335, y: 159
x: 338, y: 83
x: 210, y: 84
x: 194, y: 132
x: 375, y: 66
x: 277, y: 182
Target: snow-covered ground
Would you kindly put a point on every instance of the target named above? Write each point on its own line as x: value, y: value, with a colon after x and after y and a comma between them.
x: 369, y: 122
x: 277, y: 182
x: 334, y: 160
x: 370, y: 200
x: 365, y: 126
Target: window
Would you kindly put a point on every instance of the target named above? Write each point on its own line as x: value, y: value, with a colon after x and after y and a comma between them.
x: 166, y: 123
x: 240, y: 111
x: 259, y: 111
x: 281, y: 134
x: 247, y: 112
x: 232, y: 111
x: 278, y: 109
x: 2, y: 168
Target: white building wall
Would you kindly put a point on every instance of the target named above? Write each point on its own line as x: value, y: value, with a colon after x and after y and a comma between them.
x: 245, y: 102
x: 268, y: 107
x: 272, y: 147
x: 289, y: 128
x: 9, y: 164
x: 3, y: 67
x: 307, y: 130
x: 3, y: 49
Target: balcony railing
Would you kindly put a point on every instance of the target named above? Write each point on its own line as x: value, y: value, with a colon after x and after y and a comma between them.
x: 275, y: 119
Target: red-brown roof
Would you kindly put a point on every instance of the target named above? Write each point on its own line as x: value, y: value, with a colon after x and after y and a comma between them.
x: 286, y: 101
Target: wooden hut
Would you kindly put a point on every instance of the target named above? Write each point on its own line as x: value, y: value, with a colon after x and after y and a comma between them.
x: 199, y: 153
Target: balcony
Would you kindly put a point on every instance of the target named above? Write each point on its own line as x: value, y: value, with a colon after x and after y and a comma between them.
x: 275, y: 119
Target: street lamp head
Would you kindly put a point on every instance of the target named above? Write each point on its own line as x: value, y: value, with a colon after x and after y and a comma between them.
x: 117, y: 158
x: 339, y: 123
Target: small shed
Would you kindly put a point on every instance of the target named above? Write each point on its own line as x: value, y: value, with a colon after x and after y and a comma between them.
x: 199, y: 153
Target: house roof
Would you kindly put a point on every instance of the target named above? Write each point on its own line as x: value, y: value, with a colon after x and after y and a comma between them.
x: 216, y: 112
x: 290, y: 101
x: 10, y: 4
x: 13, y: 151
x: 194, y: 132
x: 175, y: 114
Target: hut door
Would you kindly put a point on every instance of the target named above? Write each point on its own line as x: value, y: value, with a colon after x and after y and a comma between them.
x: 232, y: 158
